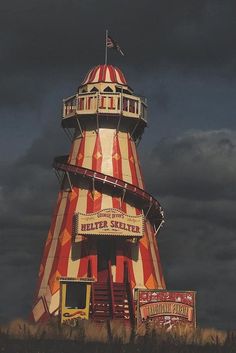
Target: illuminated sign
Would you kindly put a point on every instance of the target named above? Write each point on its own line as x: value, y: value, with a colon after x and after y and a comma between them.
x: 110, y: 221
x: 166, y: 309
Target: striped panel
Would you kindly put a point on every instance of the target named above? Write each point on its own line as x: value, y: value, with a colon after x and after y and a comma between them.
x: 48, y: 243
x: 74, y: 152
x: 77, y: 260
x: 132, y: 162
x: 116, y: 158
x: 76, y: 250
x: 129, y: 259
x: 137, y: 165
x: 115, y: 155
x: 155, y: 257
x: 128, y: 251
x: 147, y: 261
x: 120, y: 77
x: 60, y: 259
x: 105, y: 73
x: 64, y: 244
x: 88, y: 149
x: 54, y: 302
x: 53, y: 247
x: 106, y: 138
x: 123, y: 143
x: 93, y: 159
x: 137, y: 264
x: 117, y: 167
x: 94, y: 197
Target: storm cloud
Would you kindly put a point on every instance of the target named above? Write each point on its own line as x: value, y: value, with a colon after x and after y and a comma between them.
x: 194, y: 177
x: 182, y: 56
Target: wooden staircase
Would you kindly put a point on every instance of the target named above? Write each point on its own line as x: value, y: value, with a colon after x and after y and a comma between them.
x: 111, y: 300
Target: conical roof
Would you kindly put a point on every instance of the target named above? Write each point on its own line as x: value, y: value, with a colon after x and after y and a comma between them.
x: 105, y: 73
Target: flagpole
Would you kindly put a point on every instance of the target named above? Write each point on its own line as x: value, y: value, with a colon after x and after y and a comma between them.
x: 106, y: 47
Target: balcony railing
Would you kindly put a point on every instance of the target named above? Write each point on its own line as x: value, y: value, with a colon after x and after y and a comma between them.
x: 105, y: 103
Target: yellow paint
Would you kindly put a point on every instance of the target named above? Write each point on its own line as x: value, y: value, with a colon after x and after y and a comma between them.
x: 73, y: 313
x: 54, y: 282
x: 151, y: 282
x: 65, y: 237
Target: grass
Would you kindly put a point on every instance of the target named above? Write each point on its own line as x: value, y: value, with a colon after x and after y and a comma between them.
x: 112, y: 337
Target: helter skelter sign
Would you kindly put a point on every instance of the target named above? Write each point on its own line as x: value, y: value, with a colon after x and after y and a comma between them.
x: 167, y: 309
x: 110, y: 222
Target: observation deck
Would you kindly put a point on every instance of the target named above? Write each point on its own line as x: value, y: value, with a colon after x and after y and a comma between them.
x: 104, y: 103
x: 105, y: 96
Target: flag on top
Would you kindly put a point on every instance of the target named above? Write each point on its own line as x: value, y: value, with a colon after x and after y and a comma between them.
x: 111, y: 43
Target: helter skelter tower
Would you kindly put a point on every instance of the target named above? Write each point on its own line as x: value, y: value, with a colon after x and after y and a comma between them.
x: 101, y: 245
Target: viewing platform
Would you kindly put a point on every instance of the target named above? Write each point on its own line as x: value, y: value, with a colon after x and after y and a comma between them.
x: 112, y: 103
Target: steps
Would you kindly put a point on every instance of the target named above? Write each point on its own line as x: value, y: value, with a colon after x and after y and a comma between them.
x: 109, y: 301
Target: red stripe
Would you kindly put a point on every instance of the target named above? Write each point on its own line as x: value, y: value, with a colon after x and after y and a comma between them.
x: 148, y: 267
x: 86, y: 78
x: 80, y: 153
x: 121, y: 76
x: 66, y: 225
x: 73, y: 146
x: 101, y: 73
x: 117, y: 167
x: 97, y: 155
x: 47, y: 246
x: 94, y: 202
x: 162, y: 284
x: 93, y: 74
x: 117, y: 158
x: 132, y: 163
x: 128, y: 258
x: 115, y: 74
x: 137, y: 165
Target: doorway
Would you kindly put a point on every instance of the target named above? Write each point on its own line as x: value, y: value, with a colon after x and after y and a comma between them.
x: 106, y: 257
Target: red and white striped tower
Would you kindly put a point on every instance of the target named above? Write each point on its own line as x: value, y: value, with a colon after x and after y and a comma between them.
x: 105, y: 121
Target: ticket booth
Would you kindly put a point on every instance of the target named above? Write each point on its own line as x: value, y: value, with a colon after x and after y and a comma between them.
x: 74, y: 299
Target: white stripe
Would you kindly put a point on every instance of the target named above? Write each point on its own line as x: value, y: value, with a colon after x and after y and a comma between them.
x: 150, y: 234
x: 75, y: 150
x: 90, y: 138
x: 108, y: 76
x: 106, y: 139
x: 123, y: 143
x: 96, y: 75
x: 137, y: 166
x: 52, y: 250
x: 137, y: 265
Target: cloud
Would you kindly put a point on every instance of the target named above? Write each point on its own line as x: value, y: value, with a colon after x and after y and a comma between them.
x: 179, y: 53
x: 199, y: 165
x: 28, y: 191
x: 193, y: 176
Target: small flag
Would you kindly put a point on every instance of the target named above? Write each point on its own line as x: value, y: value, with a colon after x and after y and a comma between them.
x: 111, y: 43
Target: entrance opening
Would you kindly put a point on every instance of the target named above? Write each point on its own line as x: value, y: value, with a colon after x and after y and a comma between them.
x: 106, y: 257
x: 76, y: 295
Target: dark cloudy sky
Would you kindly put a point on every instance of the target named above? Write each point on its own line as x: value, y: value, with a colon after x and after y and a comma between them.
x: 182, y: 56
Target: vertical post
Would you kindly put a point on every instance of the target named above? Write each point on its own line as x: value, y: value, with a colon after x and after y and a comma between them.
x: 106, y: 47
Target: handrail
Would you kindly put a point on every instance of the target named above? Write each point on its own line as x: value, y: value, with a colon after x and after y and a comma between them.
x: 60, y: 163
x: 110, y: 283
x: 104, y: 103
x: 129, y: 291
